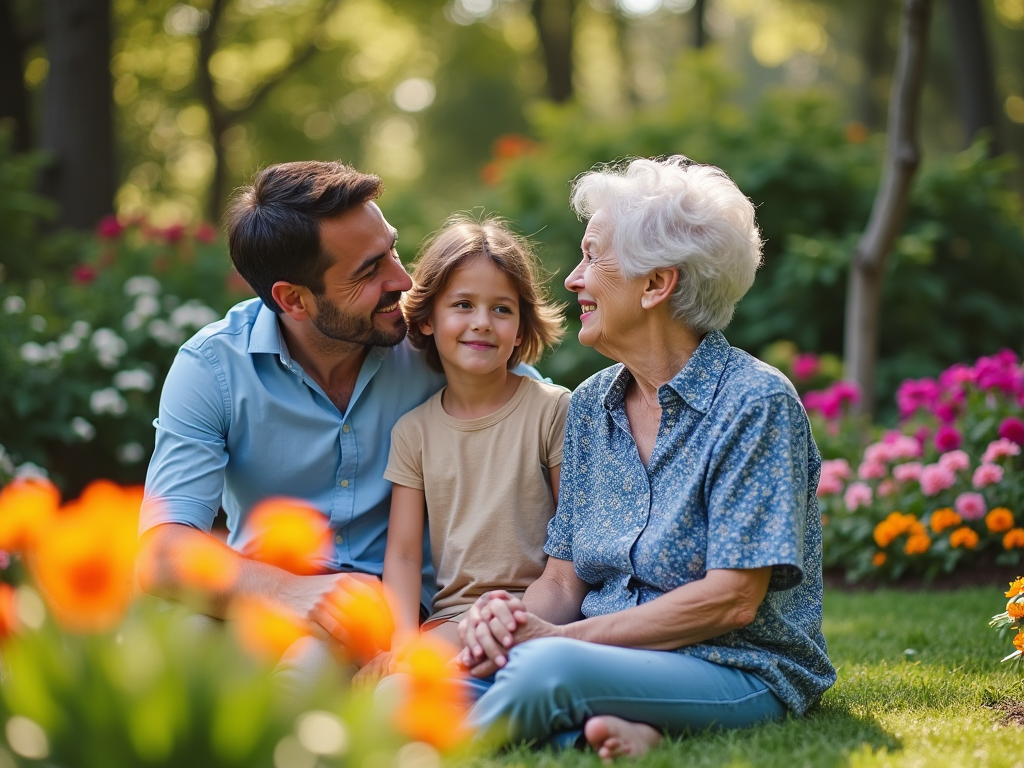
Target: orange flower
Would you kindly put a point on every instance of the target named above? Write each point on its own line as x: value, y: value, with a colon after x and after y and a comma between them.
x: 963, y: 537
x: 435, y: 705
x: 856, y: 133
x: 364, y: 614
x: 491, y: 173
x: 1018, y: 641
x: 266, y: 629
x: 513, y: 145
x: 1015, y: 609
x: 1016, y: 587
x: 879, y: 559
x: 917, y: 544
x: 1014, y: 539
x: 208, y: 566
x: 896, y: 524
x: 26, y: 507
x: 944, y: 518
x: 289, y: 534
x: 9, y: 624
x: 999, y: 520
x: 85, y: 564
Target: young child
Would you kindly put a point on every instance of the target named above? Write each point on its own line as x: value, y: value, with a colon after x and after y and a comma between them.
x: 479, y: 461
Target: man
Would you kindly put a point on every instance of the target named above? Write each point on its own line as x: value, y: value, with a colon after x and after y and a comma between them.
x: 294, y: 393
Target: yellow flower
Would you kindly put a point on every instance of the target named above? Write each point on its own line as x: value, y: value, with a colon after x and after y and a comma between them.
x: 1015, y: 609
x: 963, y: 537
x: 999, y: 520
x: 27, y: 505
x: 1014, y: 539
x: 435, y: 705
x: 944, y: 518
x: 289, y: 534
x: 1016, y: 587
x: 879, y: 559
x: 266, y: 629
x: 917, y: 543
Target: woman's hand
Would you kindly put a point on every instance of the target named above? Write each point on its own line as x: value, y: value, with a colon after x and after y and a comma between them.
x: 379, y: 667
x: 495, y: 624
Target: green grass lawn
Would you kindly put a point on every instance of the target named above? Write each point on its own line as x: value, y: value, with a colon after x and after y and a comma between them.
x: 918, y: 675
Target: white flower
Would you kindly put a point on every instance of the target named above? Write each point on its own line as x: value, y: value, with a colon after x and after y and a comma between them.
x: 83, y: 429
x: 133, y: 321
x: 14, y: 305
x: 32, y: 353
x: 193, y: 313
x: 81, y: 329
x: 6, y: 463
x: 131, y: 453
x: 28, y: 469
x: 109, y: 347
x: 142, y: 285
x: 108, y: 400
x: 37, y: 323
x: 69, y: 342
x: 146, y: 305
x: 134, y: 379
x: 165, y: 333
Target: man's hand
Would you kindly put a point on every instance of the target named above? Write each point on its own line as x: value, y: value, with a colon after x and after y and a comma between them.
x: 356, y: 614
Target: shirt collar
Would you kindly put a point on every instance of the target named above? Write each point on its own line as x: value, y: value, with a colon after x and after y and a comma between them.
x: 266, y: 336
x: 696, y: 383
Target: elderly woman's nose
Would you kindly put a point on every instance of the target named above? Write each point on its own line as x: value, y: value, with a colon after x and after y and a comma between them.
x: 572, y: 281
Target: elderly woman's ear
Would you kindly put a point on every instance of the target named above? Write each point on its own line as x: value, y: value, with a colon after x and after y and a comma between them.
x: 659, y: 286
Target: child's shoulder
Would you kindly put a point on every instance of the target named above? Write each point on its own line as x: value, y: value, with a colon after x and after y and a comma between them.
x: 417, y: 417
x: 546, y: 391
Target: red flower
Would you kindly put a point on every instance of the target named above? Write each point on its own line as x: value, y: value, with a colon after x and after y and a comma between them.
x: 109, y: 228
x: 172, y: 234
x: 1012, y: 429
x: 512, y: 145
x: 83, y: 274
x: 206, y: 233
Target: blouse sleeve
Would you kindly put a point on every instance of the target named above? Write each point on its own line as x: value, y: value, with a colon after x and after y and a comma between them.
x: 560, y: 527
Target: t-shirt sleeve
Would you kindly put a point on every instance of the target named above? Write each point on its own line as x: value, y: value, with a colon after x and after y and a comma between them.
x: 757, y: 480
x: 185, y: 480
x: 405, y: 461
x: 560, y: 527
x: 556, y: 430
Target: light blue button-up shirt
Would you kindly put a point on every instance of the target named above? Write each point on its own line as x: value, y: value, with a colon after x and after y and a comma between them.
x: 240, y: 421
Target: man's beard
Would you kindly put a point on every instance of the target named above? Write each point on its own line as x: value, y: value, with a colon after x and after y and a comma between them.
x: 352, y: 329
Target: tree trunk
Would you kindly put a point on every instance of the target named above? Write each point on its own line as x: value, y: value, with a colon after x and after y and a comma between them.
x: 554, y: 20
x: 78, y: 129
x: 864, y: 294
x: 700, y: 29
x: 13, y: 96
x: 975, y: 81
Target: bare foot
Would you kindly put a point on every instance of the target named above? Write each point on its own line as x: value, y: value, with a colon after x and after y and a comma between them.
x: 613, y: 737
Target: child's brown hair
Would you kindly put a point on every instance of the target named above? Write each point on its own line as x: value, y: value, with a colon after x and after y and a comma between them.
x: 462, y: 239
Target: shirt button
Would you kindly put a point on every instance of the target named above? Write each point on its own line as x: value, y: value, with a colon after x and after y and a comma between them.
x: 339, y: 539
x: 344, y: 483
x: 346, y: 429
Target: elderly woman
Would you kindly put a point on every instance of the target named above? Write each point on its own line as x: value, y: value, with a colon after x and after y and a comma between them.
x: 683, y: 588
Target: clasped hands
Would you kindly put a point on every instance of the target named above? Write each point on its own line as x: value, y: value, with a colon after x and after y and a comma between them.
x: 496, y: 623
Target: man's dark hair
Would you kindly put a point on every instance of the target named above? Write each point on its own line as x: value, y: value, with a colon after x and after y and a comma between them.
x: 274, y: 225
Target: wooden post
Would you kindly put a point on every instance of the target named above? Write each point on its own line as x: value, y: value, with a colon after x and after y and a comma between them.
x: 867, y: 270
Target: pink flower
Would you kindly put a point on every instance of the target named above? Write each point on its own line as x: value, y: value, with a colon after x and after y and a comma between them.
x: 970, y: 506
x: 879, y: 453
x: 109, y: 228
x: 171, y: 234
x: 5, y: 560
x: 886, y: 488
x: 846, y: 392
x: 947, y: 439
x: 907, y: 472
x: 857, y: 495
x: 946, y: 412
x: 955, y: 461
x: 997, y: 449
x: 206, y: 233
x: 83, y: 274
x: 824, y: 402
x: 839, y: 468
x: 829, y: 485
x: 806, y: 366
x: 1012, y: 429
x: 916, y: 393
x: 905, y: 447
x: 987, y: 474
x: 870, y: 470
x: 935, y: 478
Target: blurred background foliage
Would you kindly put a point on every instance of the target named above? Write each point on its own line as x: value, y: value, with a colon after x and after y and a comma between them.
x: 469, y: 105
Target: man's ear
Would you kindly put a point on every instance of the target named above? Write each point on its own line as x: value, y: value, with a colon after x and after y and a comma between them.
x: 659, y: 286
x: 294, y: 300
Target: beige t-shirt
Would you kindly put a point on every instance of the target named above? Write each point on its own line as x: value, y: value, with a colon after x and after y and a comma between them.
x: 486, y: 487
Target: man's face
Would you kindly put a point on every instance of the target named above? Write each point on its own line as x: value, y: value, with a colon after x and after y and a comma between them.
x: 359, y: 303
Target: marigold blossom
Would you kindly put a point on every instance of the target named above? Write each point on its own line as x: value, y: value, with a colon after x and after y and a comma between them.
x: 935, y: 478
x: 986, y: 475
x: 955, y: 461
x: 999, y: 449
x: 9, y: 623
x: 944, y: 518
x: 857, y: 495
x: 1012, y: 429
x: 26, y: 507
x: 971, y: 506
x: 266, y: 629
x: 906, y: 472
x: 1018, y: 641
x: 999, y: 520
x: 289, y: 534
x: 1014, y: 539
x: 1016, y: 587
x: 879, y: 559
x: 362, y: 609
x: 434, y: 707
x: 963, y: 538
x: 1015, y: 609
x: 917, y: 544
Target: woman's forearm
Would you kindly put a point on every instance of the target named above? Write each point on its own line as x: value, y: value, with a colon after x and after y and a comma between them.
x: 721, y: 602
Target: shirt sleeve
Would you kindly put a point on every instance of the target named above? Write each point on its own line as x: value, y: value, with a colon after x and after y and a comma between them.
x: 757, y: 480
x: 556, y: 430
x: 560, y: 527
x: 185, y: 480
x: 405, y: 460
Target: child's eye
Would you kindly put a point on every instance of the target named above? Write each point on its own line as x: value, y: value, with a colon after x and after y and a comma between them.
x: 502, y: 309
x: 462, y: 305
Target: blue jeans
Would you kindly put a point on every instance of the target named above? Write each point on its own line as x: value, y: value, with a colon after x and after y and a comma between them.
x: 552, y: 686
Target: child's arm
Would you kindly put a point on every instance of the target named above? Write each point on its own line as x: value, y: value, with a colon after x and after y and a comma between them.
x: 554, y: 478
x: 403, y: 557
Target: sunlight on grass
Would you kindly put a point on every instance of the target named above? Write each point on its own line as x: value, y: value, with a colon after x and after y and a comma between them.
x: 916, y: 671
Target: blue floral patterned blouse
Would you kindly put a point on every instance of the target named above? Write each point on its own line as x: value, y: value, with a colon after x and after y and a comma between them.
x: 730, y: 484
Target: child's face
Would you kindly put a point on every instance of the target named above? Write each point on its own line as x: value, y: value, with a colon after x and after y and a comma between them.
x: 475, y: 319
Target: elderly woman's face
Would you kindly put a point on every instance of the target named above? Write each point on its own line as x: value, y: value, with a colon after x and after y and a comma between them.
x: 609, y: 303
